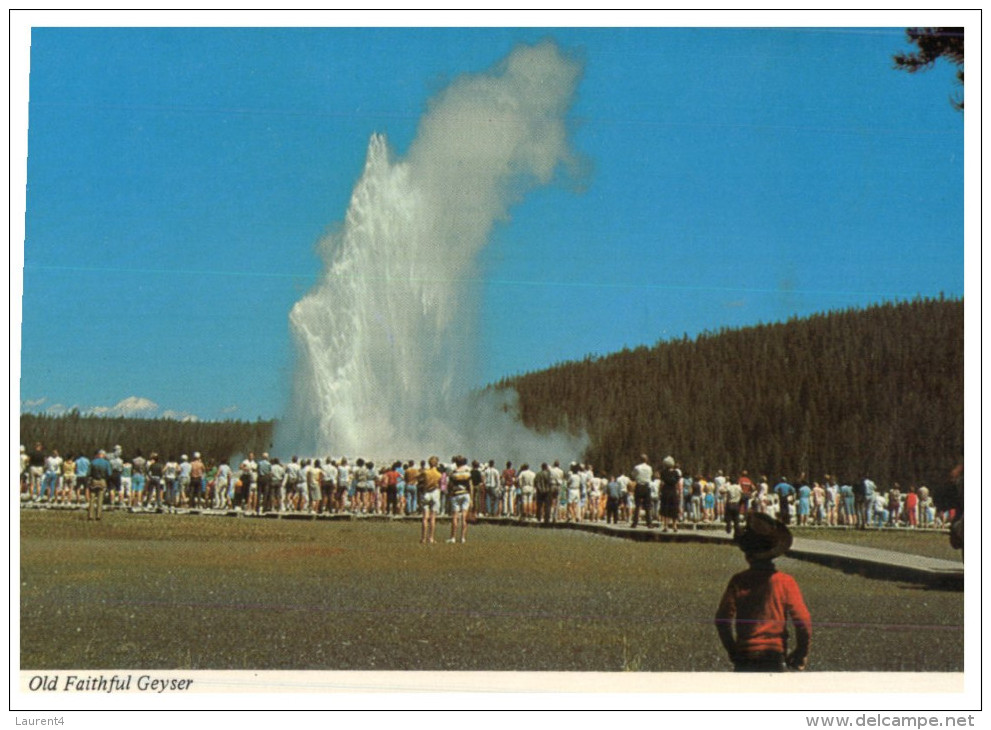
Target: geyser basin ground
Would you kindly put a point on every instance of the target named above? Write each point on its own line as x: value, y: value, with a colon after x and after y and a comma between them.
x: 178, y: 592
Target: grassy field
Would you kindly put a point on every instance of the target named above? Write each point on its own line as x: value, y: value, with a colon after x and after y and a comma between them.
x: 188, y: 592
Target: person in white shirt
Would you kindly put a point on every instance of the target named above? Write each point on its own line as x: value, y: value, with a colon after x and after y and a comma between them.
x: 528, y: 491
x: 330, y: 486
x: 493, y: 490
x: 222, y: 481
x: 557, y: 493
x: 643, y: 475
x: 574, y: 494
x: 624, y: 497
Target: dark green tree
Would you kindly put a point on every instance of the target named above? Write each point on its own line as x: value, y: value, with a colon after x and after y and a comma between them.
x: 933, y: 44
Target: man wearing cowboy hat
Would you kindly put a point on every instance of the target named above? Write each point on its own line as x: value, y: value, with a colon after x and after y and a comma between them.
x: 752, y: 618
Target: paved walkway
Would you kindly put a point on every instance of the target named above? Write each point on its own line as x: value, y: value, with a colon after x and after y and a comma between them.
x: 850, y: 558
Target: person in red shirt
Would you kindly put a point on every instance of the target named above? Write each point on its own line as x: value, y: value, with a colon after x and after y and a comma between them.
x: 753, y: 615
x: 912, y: 507
x: 747, y: 489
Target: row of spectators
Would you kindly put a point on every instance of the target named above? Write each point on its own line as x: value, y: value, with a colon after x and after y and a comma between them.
x: 578, y: 493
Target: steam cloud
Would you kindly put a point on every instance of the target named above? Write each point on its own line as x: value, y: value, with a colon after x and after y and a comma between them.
x: 387, y: 342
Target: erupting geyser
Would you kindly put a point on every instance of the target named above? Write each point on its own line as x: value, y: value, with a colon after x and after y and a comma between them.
x: 387, y: 338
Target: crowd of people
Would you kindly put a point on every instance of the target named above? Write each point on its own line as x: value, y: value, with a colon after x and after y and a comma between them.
x: 466, y: 489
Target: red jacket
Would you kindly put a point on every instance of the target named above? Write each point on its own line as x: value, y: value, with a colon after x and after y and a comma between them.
x: 758, y: 604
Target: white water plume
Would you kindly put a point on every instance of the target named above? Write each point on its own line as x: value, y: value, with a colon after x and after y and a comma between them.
x: 387, y: 338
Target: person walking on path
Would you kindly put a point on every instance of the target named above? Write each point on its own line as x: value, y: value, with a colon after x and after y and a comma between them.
x: 753, y: 615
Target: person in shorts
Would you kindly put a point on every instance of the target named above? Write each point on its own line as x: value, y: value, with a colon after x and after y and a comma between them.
x: 82, y: 478
x: 429, y: 483
x: 459, y: 486
x: 68, y: 491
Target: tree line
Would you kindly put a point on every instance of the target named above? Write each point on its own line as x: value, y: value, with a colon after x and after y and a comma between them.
x: 877, y: 392
x: 75, y: 433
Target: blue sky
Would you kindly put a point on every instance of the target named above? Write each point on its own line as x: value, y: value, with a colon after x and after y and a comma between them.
x: 178, y: 181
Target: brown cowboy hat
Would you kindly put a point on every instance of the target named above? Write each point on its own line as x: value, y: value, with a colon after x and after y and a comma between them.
x: 764, y: 537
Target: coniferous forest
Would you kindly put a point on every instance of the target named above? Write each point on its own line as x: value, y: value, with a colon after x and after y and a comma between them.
x: 876, y: 392
x: 72, y: 433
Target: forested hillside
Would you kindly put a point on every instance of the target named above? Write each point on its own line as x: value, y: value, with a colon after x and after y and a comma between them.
x: 875, y: 392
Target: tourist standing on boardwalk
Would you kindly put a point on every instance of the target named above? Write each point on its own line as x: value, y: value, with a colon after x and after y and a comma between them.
x: 912, y: 507
x: 860, y: 503
x: 493, y: 489
x: 68, y: 491
x: 362, y: 498
x: 412, y: 477
x: 804, y: 503
x: 894, y: 505
x: 594, y: 496
x: 139, y: 467
x: 99, y: 477
x: 626, y: 497
x: 819, y: 512
x: 747, y: 489
x: 36, y: 471
x: 574, y: 491
x: 671, y: 487
x: 643, y: 473
x: 82, y: 477
x: 847, y: 511
x: 25, y: 476
x: 557, y: 491
x: 156, y: 470
x: 278, y: 485
x: 50, y: 478
x: 786, y: 495
x: 222, y: 484
x: 460, y: 483
x: 429, y: 483
x: 719, y: 485
x: 248, y: 479
x: 510, y: 497
x: 544, y: 487
x: 197, y: 481
x: 614, y: 492
x: 477, y: 491
x: 752, y: 618
x: 528, y: 492
x: 832, y: 501
x: 734, y: 500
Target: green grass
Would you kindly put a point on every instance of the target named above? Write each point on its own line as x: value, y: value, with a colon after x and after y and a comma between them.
x: 186, y: 592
